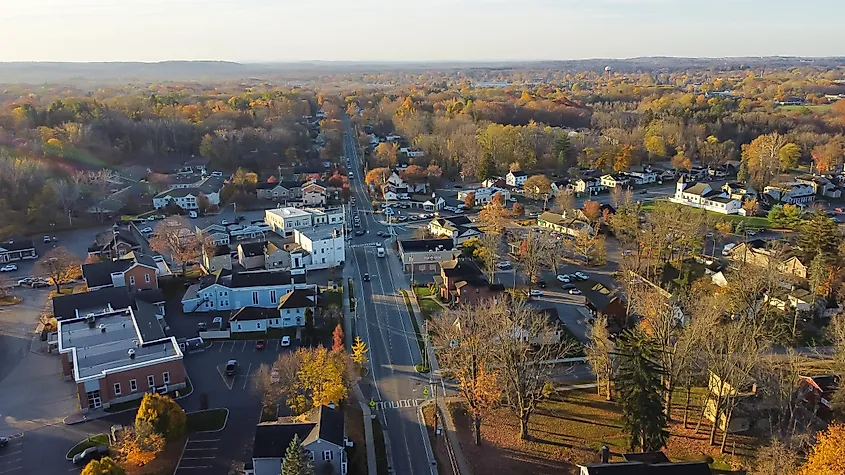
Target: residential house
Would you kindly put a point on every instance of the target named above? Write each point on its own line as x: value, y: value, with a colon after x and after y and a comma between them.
x: 461, y: 281
x: 16, y: 249
x: 793, y: 299
x: 646, y: 463
x: 276, y: 257
x: 314, y: 193
x: 412, y: 152
x: 497, y: 182
x: 216, y: 259
x: 428, y: 203
x: 516, y: 178
x: 642, y: 174
x: 563, y: 225
x: 254, y: 230
x: 816, y: 393
x: 290, y: 312
x: 135, y: 271
x: 590, y: 186
x: 602, y: 301
x: 821, y: 185
x: 216, y: 234
x: 616, y: 180
x: 279, y: 191
x: 760, y: 253
x: 794, y: 193
x: 458, y: 228
x: 739, y: 191
x: 561, y: 186
x: 702, y: 195
x: 323, y: 247
x: 223, y: 290
x: 186, y: 198
x: 425, y: 255
x: 251, y: 255
x: 115, y: 355
x: 118, y: 241
x: 484, y: 195
x: 322, y: 437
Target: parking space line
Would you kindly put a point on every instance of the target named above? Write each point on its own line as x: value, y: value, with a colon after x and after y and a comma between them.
x: 198, y: 466
x: 221, y: 346
x: 19, y: 467
x: 195, y: 441
x: 6, y: 454
x: 244, y: 347
x: 246, y: 378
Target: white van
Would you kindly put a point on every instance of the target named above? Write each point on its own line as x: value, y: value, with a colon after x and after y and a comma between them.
x: 726, y: 251
x: 380, y: 251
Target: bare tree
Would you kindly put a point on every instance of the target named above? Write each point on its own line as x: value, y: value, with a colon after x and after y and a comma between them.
x: 589, y: 246
x: 491, y: 251
x: 61, y: 266
x: 599, y: 353
x: 524, y: 342
x: 278, y: 382
x: 68, y: 194
x: 777, y: 458
x: 565, y: 202
x: 535, y: 253
x: 174, y: 236
x: 463, y: 336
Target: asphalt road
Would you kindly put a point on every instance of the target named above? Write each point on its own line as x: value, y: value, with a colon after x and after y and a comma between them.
x: 384, y: 323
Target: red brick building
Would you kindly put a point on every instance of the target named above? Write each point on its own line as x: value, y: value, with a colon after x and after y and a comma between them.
x: 118, y: 355
x: 461, y: 281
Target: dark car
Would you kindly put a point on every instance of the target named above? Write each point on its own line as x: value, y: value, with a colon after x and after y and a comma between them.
x: 202, y: 326
x: 240, y: 218
x: 359, y: 232
x: 91, y: 453
x: 366, y: 277
x: 4, y: 441
x: 260, y: 344
x: 568, y: 286
x: 231, y: 367
x: 542, y: 284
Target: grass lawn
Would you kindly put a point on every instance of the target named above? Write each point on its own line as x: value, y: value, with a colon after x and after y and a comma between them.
x: 757, y: 222
x: 354, y: 422
x: 429, y: 307
x: 332, y: 299
x: 424, y: 291
x: 10, y: 300
x: 810, y: 107
x: 381, y: 453
x: 135, y: 403
x: 570, y: 428
x: 210, y: 420
x: 93, y: 441
x: 414, y: 322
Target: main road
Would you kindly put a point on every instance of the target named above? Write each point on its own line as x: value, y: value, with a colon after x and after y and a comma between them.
x: 383, y: 321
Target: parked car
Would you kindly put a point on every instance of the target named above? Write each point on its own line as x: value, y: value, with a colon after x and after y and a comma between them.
x: 535, y: 292
x: 574, y: 292
x: 39, y: 283
x: 91, y: 453
x: 563, y: 278
x: 542, y: 284
x: 286, y: 340
x: 240, y: 218
x: 503, y: 265
x: 567, y: 286
x: 231, y: 367
x: 147, y: 230
x: 27, y: 281
x: 224, y: 222
x: 4, y: 441
x: 201, y: 326
x: 47, y: 239
x: 9, y: 268
x: 581, y: 275
x: 260, y: 344
x: 366, y: 277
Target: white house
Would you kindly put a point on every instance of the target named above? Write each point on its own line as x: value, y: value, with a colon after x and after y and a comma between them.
x: 324, y: 245
x: 591, y: 186
x: 186, y: 198
x: 484, y: 195
x: 290, y: 312
x: 217, y: 234
x: 458, y: 228
x: 516, y: 179
x: 314, y: 193
x: 821, y: 184
x: 701, y: 195
x: 428, y: 203
x: 615, y: 180
x: 793, y: 193
x: 642, y: 174
x: 224, y: 291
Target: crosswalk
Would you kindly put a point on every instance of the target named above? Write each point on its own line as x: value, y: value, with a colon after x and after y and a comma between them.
x: 396, y: 404
x: 363, y: 244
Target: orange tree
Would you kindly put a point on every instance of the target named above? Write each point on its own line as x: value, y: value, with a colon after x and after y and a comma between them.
x: 828, y: 454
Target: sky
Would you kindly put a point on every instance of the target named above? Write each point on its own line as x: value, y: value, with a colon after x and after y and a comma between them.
x: 421, y: 30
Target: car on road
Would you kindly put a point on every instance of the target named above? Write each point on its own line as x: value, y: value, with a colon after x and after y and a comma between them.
x: 231, y: 367
x: 503, y: 265
x: 535, y: 292
x: 366, y: 277
x: 565, y: 278
x: 381, y: 234
x: 567, y: 286
x: 147, y: 230
x: 91, y: 453
x: 286, y: 340
x: 9, y: 268
x: 39, y: 283
x: 839, y: 210
x: 260, y: 344
x: 574, y: 292
x: 47, y: 239
x: 359, y: 232
x: 541, y: 284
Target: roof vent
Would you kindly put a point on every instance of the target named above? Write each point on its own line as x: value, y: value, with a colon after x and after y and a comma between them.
x: 131, y: 353
x: 102, y: 327
x: 135, y: 342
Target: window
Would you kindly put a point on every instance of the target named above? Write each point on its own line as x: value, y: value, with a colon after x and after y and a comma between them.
x: 133, y: 385
x: 166, y: 377
x: 151, y: 381
x: 327, y: 455
x: 131, y: 280
x: 147, y: 278
x: 257, y: 324
x: 311, y: 455
x: 273, y: 296
x: 255, y: 298
x: 117, y: 389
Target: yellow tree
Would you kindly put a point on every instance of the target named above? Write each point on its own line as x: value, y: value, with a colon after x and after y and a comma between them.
x: 322, y: 376
x: 104, y: 466
x: 762, y: 158
x: 161, y: 415
x: 387, y: 153
x: 828, y: 454
x: 377, y: 176
x: 359, y: 351
x: 623, y: 159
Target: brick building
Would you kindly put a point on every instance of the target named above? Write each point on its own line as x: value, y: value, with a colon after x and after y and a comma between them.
x: 461, y: 281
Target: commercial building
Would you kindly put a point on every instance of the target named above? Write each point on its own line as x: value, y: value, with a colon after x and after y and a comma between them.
x: 16, y: 249
x: 425, y: 255
x: 702, y: 195
x: 116, y: 355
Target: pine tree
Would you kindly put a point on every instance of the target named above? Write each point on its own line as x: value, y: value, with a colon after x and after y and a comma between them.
x: 295, y: 462
x: 488, y: 167
x: 640, y: 392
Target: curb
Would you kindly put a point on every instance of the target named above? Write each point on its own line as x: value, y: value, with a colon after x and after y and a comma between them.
x: 87, y: 438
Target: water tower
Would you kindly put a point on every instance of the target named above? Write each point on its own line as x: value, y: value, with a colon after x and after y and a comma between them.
x: 607, y: 72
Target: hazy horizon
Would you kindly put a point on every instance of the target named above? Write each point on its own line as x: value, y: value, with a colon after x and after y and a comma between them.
x: 285, y: 31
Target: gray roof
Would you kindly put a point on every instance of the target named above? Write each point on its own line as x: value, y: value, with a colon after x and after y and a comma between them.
x: 426, y: 245
x: 65, y: 306
x: 260, y: 279
x: 252, y: 249
x: 297, y: 298
x: 253, y: 313
x: 99, y: 273
x: 273, y: 438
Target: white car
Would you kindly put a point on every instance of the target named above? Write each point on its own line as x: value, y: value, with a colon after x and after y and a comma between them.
x: 535, y: 293
x: 504, y: 265
x: 147, y: 230
x: 563, y: 278
x: 582, y: 275
x: 574, y: 292
x: 224, y: 222
x: 9, y: 268
x: 285, y: 340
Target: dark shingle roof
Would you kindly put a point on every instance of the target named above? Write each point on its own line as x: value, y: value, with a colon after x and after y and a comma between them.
x: 98, y: 274
x: 298, y: 298
x: 147, y: 322
x: 459, y: 269
x: 260, y: 278
x: 273, y: 438
x: 329, y: 426
x: 65, y: 306
x: 17, y: 244
x: 150, y: 295
x: 519, y: 173
x: 252, y: 249
x: 253, y: 313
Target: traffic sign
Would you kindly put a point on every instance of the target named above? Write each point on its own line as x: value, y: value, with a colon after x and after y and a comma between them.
x: 425, y: 392
x: 372, y: 404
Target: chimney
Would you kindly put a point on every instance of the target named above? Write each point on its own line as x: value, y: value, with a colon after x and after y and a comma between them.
x: 605, y: 454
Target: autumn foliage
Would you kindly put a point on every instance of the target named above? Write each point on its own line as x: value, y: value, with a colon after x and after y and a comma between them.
x: 828, y: 455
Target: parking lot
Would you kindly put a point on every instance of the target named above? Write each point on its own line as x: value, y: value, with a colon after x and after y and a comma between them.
x: 11, y: 456
x: 200, y: 454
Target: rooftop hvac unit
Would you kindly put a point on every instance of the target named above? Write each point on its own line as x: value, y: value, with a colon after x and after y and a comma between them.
x: 102, y: 327
x: 131, y: 353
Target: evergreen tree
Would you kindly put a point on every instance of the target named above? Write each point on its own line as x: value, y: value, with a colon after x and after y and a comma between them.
x: 640, y: 391
x: 819, y: 235
x: 488, y: 167
x: 295, y: 462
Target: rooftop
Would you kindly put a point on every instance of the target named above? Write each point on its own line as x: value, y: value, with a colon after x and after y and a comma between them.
x: 297, y: 298
x: 319, y: 233
x: 288, y: 212
x: 426, y: 245
x: 272, y: 438
x: 102, y: 344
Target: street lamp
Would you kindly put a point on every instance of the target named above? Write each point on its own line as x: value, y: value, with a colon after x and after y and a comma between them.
x: 411, y: 260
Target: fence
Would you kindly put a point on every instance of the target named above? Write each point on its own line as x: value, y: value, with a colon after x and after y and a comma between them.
x: 215, y: 334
